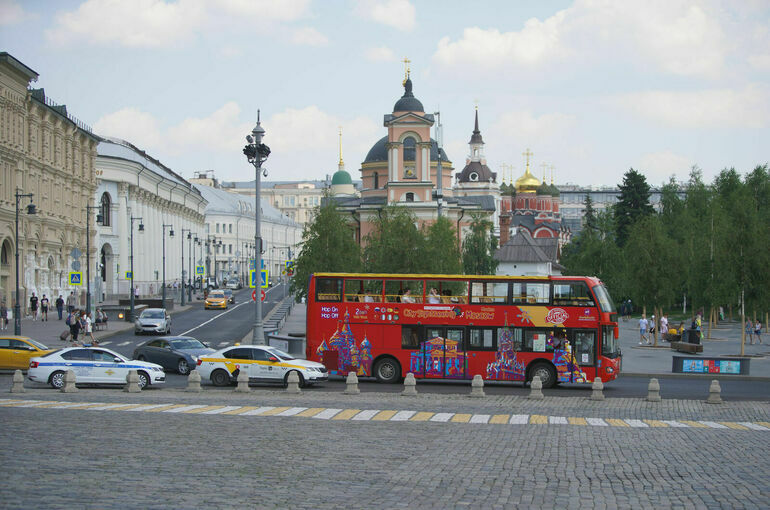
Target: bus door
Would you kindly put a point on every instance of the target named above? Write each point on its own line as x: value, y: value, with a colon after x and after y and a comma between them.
x: 443, y: 353
x: 584, y: 352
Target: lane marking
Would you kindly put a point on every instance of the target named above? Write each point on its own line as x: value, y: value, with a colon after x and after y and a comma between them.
x: 577, y: 421
x: 366, y: 415
x: 422, y: 416
x: 694, y: 424
x: 346, y: 414
x: 30, y: 403
x: 712, y: 424
x: 442, y: 417
x: 292, y: 411
x: 327, y: 414
x: 480, y: 418
x: 499, y: 418
x: 461, y: 418
x: 731, y: 425
x: 519, y: 419
x: 384, y: 415
x: 182, y: 409
x: 403, y: 415
x: 121, y: 344
x: 108, y: 342
x: 538, y: 419
x: 639, y: 424
x: 221, y: 410
x: 763, y: 423
x: 616, y: 422
x: 258, y: 410
x: 222, y: 344
x: 752, y: 426
x: 145, y: 407
x: 241, y: 410
x: 675, y: 424
x: 164, y: 408
x: 214, y: 318
x: 275, y: 410
x: 309, y: 413
x: 201, y: 409
x: 596, y: 422
x: 105, y: 407
x: 557, y: 420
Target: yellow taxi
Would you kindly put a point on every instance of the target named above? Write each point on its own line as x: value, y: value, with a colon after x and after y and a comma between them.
x: 16, y: 351
x: 216, y: 299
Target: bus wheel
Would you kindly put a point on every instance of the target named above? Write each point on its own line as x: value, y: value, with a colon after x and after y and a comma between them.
x: 387, y: 370
x: 546, y: 373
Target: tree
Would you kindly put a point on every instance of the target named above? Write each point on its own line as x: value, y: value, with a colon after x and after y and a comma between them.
x: 589, y: 214
x: 395, y: 245
x: 633, y: 203
x: 442, y: 254
x: 479, y: 247
x: 327, y: 246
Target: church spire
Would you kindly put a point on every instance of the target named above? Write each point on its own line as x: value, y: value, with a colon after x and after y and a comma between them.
x: 341, y: 164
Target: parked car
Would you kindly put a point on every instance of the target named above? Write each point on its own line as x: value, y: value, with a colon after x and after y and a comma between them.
x: 234, y: 284
x: 92, y: 365
x: 215, y: 299
x: 229, y: 295
x: 16, y: 351
x: 153, y: 320
x: 178, y: 353
x: 264, y: 363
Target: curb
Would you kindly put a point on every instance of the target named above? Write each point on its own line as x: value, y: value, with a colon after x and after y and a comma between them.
x: 698, y: 376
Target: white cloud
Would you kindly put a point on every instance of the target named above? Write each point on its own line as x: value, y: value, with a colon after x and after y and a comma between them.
x: 130, y: 124
x: 308, y: 36
x: 398, y: 14
x: 11, y: 12
x: 380, y: 54
x: 162, y: 23
x: 222, y: 131
x: 760, y: 62
x: 716, y: 108
x: 659, y: 166
x: 524, y: 128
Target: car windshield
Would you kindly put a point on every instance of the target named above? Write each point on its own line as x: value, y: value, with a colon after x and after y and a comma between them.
x: 152, y: 314
x: 279, y: 353
x: 217, y: 294
x: 187, y: 343
x: 37, y: 344
x: 228, y: 293
x: 605, y: 302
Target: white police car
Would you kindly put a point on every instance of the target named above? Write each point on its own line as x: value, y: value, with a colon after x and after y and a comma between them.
x: 262, y: 362
x: 92, y: 365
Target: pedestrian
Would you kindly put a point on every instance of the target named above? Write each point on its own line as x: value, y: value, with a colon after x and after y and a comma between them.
x: 74, y: 324
x: 59, y: 306
x: 3, y: 316
x: 33, y: 301
x: 643, y: 326
x: 750, y: 332
x: 629, y: 310
x: 664, y: 323
x: 136, y: 292
x: 758, y: 330
x: 44, y: 308
x: 71, y: 302
x: 89, y: 329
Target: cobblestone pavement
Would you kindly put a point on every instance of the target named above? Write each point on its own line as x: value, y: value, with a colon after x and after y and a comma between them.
x: 116, y: 459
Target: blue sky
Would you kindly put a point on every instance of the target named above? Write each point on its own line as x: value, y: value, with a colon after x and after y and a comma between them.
x: 592, y: 87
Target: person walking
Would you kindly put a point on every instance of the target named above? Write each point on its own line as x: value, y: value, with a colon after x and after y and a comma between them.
x: 3, y: 316
x: 74, y: 324
x: 33, y: 302
x: 89, y: 329
x: 749, y: 332
x: 758, y: 330
x: 71, y: 302
x: 44, y: 308
x: 59, y: 306
x: 643, y: 327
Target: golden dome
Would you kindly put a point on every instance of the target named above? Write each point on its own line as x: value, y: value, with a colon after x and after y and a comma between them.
x: 527, y: 182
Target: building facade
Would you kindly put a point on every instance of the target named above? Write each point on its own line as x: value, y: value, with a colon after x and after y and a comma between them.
x: 573, y: 199
x: 47, y: 152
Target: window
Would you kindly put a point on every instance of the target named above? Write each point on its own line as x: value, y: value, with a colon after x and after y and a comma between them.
x: 229, y: 249
x: 103, y: 356
x: 403, y: 291
x: 572, y: 294
x: 537, y: 292
x: 5, y: 343
x: 410, y: 337
x: 610, y: 344
x: 259, y: 355
x: 77, y: 354
x: 513, y: 335
x: 376, y: 181
x: 106, y: 209
x: 489, y: 292
x: 583, y: 346
x: 217, y: 228
x: 328, y: 289
x: 155, y: 343
x: 605, y: 302
x: 363, y: 291
x: 481, y: 339
x: 536, y: 340
x: 409, y: 197
x: 448, y: 291
x: 409, y: 148
x: 238, y: 353
x: 230, y: 228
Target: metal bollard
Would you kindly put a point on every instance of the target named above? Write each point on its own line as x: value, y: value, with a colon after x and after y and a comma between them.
x: 351, y: 382
x: 132, y: 382
x: 477, y: 387
x: 715, y: 393
x: 243, y: 382
x: 18, y: 382
x: 597, y: 388
x: 194, y: 382
x: 69, y: 382
x: 536, y: 389
x: 410, y: 386
x: 292, y: 385
x: 653, y: 391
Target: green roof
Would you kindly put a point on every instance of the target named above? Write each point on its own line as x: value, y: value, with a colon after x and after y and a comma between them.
x: 341, y: 177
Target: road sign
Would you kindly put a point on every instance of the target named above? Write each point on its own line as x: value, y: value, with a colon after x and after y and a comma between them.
x: 75, y: 253
x: 252, y: 263
x: 253, y: 278
x: 76, y: 278
x: 263, y: 295
x: 264, y: 278
x: 76, y: 265
x: 253, y: 295
x: 200, y: 270
x: 129, y: 275
x: 289, y: 267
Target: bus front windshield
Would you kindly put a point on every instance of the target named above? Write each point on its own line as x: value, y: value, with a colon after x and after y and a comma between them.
x: 605, y: 302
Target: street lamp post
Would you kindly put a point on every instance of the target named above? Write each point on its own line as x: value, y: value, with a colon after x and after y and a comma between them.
x: 197, y: 242
x: 132, y: 290
x: 256, y: 153
x: 170, y: 234
x: 189, y: 265
x: 182, y: 239
x: 17, y: 306
x: 88, y: 252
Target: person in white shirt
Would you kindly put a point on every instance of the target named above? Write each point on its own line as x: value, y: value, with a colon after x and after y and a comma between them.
x: 407, y: 297
x: 643, y: 328
x: 434, y: 297
x: 664, y: 324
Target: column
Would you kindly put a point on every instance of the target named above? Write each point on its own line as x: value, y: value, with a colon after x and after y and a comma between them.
x: 425, y: 163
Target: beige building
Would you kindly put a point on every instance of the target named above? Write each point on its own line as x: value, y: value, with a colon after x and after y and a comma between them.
x: 296, y: 200
x: 46, y: 152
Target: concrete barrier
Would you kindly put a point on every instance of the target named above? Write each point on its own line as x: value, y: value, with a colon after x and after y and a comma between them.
x: 410, y: 386
x: 351, y: 383
x: 536, y: 389
x: 715, y: 393
x: 292, y: 383
x: 69, y: 382
x: 18, y: 382
x: 194, y: 382
x: 597, y: 390
x: 477, y: 387
x: 653, y: 391
x: 132, y: 382
x: 243, y: 382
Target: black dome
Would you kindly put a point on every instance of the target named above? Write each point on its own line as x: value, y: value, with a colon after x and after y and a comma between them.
x: 379, y: 152
x: 482, y: 173
x: 408, y: 103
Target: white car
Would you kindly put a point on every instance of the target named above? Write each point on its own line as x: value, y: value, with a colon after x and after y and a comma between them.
x: 92, y: 365
x: 264, y: 363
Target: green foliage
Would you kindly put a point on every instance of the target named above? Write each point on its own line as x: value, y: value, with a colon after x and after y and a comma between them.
x: 442, y: 252
x: 589, y: 214
x: 327, y: 246
x: 633, y: 203
x: 479, y: 247
x: 395, y: 245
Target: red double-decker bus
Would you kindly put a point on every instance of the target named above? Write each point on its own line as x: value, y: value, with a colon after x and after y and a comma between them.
x: 505, y: 328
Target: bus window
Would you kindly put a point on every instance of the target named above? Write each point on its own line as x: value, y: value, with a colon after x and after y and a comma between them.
x: 395, y: 290
x: 605, y: 302
x: 489, y: 292
x: 328, y: 289
x: 481, y: 339
x: 410, y: 337
x: 610, y: 345
x: 536, y: 340
x: 584, y: 346
x: 449, y: 291
x: 572, y: 294
x: 538, y: 293
x: 519, y: 293
x: 363, y: 291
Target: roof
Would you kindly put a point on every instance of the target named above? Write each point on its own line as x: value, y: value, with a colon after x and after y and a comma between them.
x: 408, y: 103
x: 121, y: 149
x: 476, y: 136
x: 224, y: 202
x: 17, y: 64
x: 341, y: 177
x: 379, y: 151
x: 522, y: 248
x: 475, y: 171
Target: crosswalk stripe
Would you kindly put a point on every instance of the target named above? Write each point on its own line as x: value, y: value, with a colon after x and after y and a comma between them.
x: 182, y: 409
x: 596, y: 422
x: 221, y: 410
x: 121, y: 344
x: 655, y: 423
x: 614, y: 422
x: 538, y: 419
x: 763, y: 423
x: 145, y: 407
x: 292, y: 411
x: 557, y: 420
x: 275, y: 410
x: 694, y: 424
x: 733, y: 425
x: 308, y: 413
x: 108, y: 342
x: 676, y: 424
x: 712, y: 424
x: 258, y: 411
x: 403, y: 415
x: 499, y: 418
x: 422, y: 416
x: 164, y: 408
x: 442, y: 417
x: 383, y: 415
x: 66, y: 405
x: 752, y: 426
x: 577, y: 421
x: 639, y: 424
x: 31, y: 403
x: 519, y: 419
x: 461, y: 418
x: 346, y: 414
x: 480, y: 418
x: 327, y: 414
x: 241, y: 410
x: 127, y: 407
x: 365, y: 415
x: 106, y: 407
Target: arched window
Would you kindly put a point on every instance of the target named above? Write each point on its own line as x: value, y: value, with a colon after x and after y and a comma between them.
x: 409, y: 197
x: 106, y: 209
x: 409, y: 148
x: 376, y: 181
x: 5, y: 254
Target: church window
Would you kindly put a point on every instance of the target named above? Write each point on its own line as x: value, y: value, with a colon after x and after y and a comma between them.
x: 376, y: 181
x: 106, y: 207
x: 474, y: 176
x: 409, y: 197
x: 409, y: 148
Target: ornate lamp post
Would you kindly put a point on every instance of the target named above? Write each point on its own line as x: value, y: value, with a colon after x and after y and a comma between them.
x: 170, y: 234
x: 256, y: 153
x: 189, y: 265
x: 132, y: 290
x: 17, y: 307
x: 88, y: 251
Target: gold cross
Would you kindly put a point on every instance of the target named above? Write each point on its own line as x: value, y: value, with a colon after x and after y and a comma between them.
x: 552, y: 174
x: 543, y: 166
x: 528, y: 154
x: 406, y: 62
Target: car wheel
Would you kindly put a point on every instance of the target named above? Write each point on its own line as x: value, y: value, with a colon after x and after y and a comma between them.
x: 286, y: 379
x: 387, y: 370
x: 57, y: 380
x: 546, y: 373
x: 141, y: 358
x: 220, y: 377
x: 183, y: 367
x: 144, y: 380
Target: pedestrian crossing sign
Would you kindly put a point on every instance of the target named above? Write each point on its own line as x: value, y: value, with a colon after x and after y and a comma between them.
x: 200, y: 270
x: 76, y: 278
x: 129, y: 275
x: 253, y: 278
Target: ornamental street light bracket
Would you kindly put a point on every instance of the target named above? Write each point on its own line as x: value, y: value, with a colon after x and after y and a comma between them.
x: 30, y: 210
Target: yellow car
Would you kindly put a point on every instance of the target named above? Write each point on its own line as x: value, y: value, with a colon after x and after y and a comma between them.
x: 216, y: 299
x: 16, y: 351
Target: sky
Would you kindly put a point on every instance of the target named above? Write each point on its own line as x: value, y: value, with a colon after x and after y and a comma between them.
x: 590, y: 87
